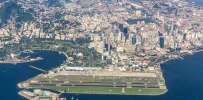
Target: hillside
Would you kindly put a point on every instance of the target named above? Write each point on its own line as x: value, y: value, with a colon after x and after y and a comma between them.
x: 12, y: 9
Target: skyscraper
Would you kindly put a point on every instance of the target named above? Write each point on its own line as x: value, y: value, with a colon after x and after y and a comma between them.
x: 161, y: 42
x: 120, y: 36
x: 125, y: 30
x: 184, y: 37
x: 104, y: 40
x: 120, y: 27
x: 133, y: 40
x: 108, y: 47
x: 126, y: 37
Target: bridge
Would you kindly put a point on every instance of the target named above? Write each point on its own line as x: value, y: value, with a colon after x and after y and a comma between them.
x: 37, y: 68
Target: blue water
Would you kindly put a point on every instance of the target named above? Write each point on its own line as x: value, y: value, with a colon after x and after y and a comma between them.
x: 10, y: 74
x: 198, y: 2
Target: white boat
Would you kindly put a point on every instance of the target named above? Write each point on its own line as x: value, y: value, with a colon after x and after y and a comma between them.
x: 72, y: 98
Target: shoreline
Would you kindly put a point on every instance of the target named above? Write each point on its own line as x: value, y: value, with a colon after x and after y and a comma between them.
x: 35, y: 96
x: 24, y: 95
x: 48, y: 50
x: 19, y: 62
x: 20, y: 85
x: 166, y: 90
x: 117, y: 93
x: 180, y: 56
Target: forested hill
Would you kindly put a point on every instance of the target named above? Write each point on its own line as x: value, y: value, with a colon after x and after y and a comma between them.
x: 13, y: 10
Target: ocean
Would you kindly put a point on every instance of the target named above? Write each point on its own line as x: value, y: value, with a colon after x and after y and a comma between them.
x: 11, y: 74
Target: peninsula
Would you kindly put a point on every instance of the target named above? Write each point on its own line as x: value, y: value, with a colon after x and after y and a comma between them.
x: 93, y: 80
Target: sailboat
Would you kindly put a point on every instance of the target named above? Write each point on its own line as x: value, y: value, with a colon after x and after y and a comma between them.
x: 72, y: 98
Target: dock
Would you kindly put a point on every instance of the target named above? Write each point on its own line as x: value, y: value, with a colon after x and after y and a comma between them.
x: 181, y: 57
x: 198, y: 51
x: 38, y: 68
x: 24, y: 95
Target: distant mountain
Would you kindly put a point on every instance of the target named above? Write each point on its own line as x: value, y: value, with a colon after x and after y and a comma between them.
x: 13, y: 10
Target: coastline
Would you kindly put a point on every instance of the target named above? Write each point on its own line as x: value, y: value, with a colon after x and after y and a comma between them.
x: 121, y: 94
x: 48, y: 50
x: 61, y: 92
x: 24, y: 95
x: 181, y: 55
x: 23, y: 85
x: 21, y: 61
x: 32, y: 95
x: 18, y: 62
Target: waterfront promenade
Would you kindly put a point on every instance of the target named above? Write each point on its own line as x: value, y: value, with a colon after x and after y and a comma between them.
x: 49, y: 50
